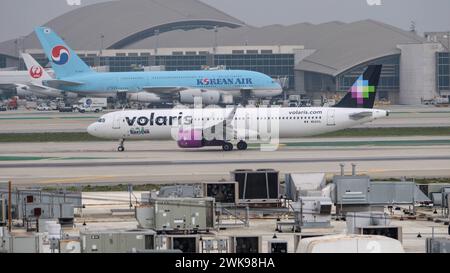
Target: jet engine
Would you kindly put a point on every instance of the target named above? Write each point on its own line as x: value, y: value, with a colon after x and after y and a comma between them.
x: 143, y: 97
x: 208, y: 96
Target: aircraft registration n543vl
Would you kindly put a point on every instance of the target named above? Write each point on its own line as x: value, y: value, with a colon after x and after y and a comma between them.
x: 197, y: 128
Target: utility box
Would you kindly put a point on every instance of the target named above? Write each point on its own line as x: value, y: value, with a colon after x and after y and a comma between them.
x: 356, y: 220
x: 178, y: 214
x: 313, y: 212
x: 3, y: 211
x: 69, y: 246
x: 185, y: 243
x: 24, y: 243
x: 258, y: 187
x: 246, y: 244
x: 117, y: 242
x: 438, y: 245
x: 222, y: 192
x: 386, y: 231
x: 181, y: 191
x: 277, y: 246
x: 214, y: 245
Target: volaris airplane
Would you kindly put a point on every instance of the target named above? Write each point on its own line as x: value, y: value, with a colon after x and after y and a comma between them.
x: 73, y: 75
x: 197, y: 128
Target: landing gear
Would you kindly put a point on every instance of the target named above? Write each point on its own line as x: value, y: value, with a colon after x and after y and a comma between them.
x: 242, y: 146
x: 227, y: 147
x: 121, y: 148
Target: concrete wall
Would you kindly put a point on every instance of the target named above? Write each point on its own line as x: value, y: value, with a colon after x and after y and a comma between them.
x: 418, y: 72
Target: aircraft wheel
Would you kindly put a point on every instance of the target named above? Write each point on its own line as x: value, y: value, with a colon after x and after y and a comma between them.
x: 227, y: 147
x: 242, y: 146
x: 121, y: 149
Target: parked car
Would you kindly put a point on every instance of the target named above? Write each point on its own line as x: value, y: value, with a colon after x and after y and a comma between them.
x: 43, y: 108
x: 65, y: 109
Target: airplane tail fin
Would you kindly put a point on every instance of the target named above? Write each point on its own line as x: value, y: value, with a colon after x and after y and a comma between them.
x: 64, y: 60
x: 36, y: 72
x: 364, y: 91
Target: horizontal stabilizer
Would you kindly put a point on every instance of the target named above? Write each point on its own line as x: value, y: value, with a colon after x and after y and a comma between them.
x: 60, y: 83
x: 358, y: 116
x: 7, y: 86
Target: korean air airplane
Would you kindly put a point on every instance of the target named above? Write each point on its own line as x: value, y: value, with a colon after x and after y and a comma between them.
x: 197, y: 128
x: 73, y: 75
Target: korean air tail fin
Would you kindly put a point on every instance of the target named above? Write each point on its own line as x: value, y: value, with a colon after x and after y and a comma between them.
x: 364, y: 91
x: 36, y: 72
x: 65, y: 62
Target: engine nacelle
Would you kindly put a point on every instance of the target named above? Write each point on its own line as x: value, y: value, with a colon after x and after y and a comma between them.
x: 190, y: 138
x: 208, y: 96
x: 143, y: 97
x: 71, y: 95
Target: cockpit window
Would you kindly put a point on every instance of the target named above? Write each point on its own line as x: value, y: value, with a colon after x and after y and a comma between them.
x: 101, y: 120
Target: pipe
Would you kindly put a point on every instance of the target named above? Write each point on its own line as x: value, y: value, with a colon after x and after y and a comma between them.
x: 342, y: 169
x: 9, y: 206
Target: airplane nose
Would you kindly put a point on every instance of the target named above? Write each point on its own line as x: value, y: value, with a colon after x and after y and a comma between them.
x: 92, y: 129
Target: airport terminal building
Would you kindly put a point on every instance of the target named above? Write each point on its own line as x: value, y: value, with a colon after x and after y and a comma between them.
x: 313, y: 60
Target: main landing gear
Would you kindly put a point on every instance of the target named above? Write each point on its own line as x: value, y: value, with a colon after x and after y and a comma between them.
x: 121, y: 148
x: 241, y: 146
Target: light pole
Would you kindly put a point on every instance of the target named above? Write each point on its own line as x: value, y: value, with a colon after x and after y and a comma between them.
x: 216, y: 30
x: 156, y: 41
x: 101, y: 44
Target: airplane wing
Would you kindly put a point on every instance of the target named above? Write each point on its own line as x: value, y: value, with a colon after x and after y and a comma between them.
x: 38, y: 86
x: 361, y: 115
x: 226, y: 125
x: 59, y: 83
x: 7, y: 86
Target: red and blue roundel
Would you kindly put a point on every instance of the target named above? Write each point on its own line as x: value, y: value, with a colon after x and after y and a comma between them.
x: 60, y: 55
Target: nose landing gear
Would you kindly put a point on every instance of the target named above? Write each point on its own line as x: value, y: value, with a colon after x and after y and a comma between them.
x: 121, y: 148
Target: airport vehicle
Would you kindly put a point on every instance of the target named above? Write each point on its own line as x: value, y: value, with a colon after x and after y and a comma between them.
x: 94, y: 102
x: 84, y: 109
x: 91, y: 105
x: 74, y: 75
x: 37, y: 75
x: 196, y: 128
x: 65, y: 109
x: 3, y: 108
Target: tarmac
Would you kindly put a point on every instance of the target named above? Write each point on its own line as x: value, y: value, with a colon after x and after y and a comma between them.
x: 24, y: 121
x: 147, y: 162
x: 156, y: 162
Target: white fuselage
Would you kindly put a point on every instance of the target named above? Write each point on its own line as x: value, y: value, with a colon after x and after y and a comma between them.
x: 163, y: 124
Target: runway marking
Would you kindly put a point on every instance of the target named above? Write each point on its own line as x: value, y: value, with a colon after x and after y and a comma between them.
x: 222, y: 162
x: 78, y: 179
